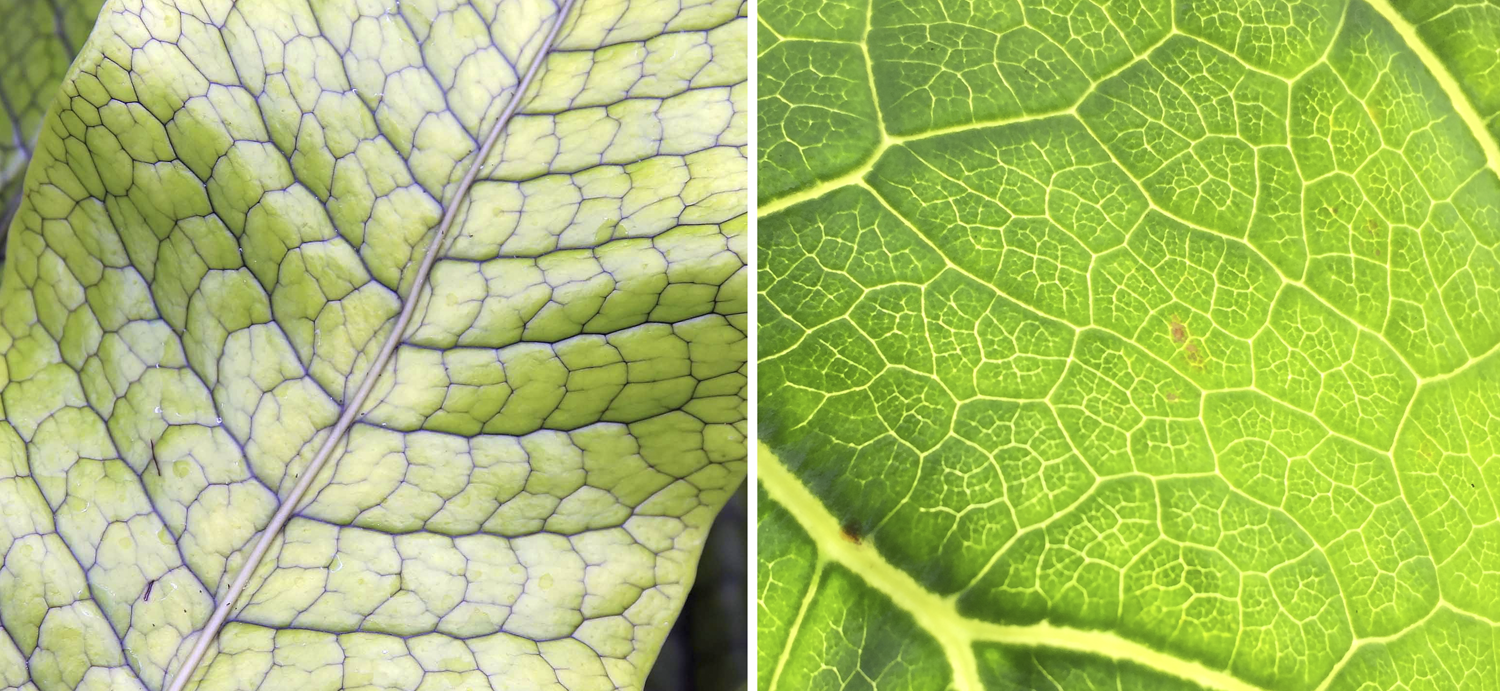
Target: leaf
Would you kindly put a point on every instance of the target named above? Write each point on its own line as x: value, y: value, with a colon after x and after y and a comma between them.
x: 1128, y: 345
x: 231, y: 213
x: 39, y: 40
x: 1455, y: 35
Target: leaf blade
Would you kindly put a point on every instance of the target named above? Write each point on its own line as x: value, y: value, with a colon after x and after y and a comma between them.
x: 570, y: 395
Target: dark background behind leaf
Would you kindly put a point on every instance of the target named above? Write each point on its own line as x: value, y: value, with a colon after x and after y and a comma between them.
x: 707, y: 647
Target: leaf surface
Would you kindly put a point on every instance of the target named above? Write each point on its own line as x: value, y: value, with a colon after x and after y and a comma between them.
x: 228, y: 209
x: 39, y: 42
x: 1128, y: 345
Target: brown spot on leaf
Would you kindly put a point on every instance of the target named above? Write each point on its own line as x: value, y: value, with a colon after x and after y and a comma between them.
x: 1179, y: 331
x: 1194, y: 353
x: 851, y: 532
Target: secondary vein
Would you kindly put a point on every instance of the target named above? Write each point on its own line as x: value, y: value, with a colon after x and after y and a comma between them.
x: 939, y: 616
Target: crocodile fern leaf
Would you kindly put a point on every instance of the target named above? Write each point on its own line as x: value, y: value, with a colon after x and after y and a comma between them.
x: 376, y: 345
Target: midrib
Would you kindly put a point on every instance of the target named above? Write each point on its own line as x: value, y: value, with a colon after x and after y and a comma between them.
x: 1450, y: 86
x: 262, y: 541
x: 939, y: 616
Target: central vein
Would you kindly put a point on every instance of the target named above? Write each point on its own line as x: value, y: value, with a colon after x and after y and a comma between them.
x: 353, y: 405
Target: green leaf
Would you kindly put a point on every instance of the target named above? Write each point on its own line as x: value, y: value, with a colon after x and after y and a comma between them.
x: 373, y: 345
x: 39, y: 41
x: 1129, y: 345
x: 1460, y: 36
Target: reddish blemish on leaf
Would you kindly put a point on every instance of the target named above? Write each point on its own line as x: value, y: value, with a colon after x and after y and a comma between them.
x: 1179, y: 331
x: 851, y: 532
x: 1195, y: 355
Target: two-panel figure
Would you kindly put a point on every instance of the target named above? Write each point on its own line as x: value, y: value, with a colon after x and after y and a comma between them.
x: 749, y: 345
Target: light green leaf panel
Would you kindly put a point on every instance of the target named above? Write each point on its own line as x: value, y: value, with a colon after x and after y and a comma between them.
x: 373, y: 346
x: 1136, y: 345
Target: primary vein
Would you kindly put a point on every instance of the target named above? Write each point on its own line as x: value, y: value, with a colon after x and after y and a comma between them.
x: 1461, y: 103
x: 352, y: 406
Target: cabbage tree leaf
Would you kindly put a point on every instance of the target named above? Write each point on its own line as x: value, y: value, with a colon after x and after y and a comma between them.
x: 456, y: 289
x: 1129, y: 345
